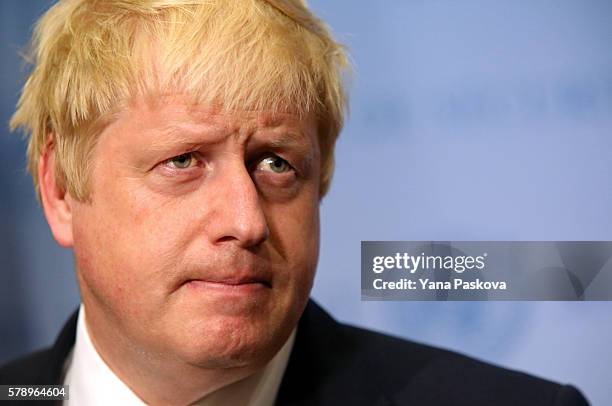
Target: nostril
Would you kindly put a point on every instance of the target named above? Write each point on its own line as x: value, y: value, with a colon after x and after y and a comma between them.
x: 225, y: 239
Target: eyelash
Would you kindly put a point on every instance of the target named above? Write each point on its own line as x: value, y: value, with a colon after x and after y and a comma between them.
x: 274, y: 157
x: 258, y: 161
x: 191, y: 156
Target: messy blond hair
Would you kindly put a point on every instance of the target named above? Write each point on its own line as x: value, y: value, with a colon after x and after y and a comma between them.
x: 91, y: 56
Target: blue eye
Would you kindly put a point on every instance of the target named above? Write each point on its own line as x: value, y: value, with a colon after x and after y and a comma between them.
x: 182, y: 161
x: 274, y: 164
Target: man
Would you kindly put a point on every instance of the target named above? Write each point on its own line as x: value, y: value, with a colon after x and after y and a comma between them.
x: 181, y: 149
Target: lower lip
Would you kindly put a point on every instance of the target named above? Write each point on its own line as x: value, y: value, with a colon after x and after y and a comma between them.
x: 230, y: 289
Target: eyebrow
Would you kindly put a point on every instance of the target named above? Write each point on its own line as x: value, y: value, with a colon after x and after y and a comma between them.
x: 176, y: 136
x: 289, y: 139
x: 173, y: 136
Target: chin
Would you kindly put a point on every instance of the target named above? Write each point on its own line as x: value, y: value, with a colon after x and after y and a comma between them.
x: 229, y: 342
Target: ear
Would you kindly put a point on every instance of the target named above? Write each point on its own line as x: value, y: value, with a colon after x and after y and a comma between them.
x: 57, y: 203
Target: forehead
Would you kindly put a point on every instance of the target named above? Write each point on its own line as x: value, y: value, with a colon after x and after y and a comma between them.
x: 172, y: 119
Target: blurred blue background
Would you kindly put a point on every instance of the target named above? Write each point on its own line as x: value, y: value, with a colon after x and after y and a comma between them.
x: 471, y: 120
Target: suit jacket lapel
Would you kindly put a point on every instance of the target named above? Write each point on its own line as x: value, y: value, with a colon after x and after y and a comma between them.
x: 52, y: 367
x: 317, y: 373
x: 310, y: 360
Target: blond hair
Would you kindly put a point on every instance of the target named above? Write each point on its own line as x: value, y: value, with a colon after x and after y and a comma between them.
x: 87, y: 58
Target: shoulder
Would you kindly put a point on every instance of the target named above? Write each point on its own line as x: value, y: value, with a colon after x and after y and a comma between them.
x: 24, y: 370
x: 43, y: 367
x: 365, y: 367
x: 426, y: 375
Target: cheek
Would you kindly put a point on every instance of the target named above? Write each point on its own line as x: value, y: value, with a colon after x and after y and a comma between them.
x: 295, y: 232
x: 140, y: 227
x: 310, y: 236
x: 97, y: 269
x: 124, y: 248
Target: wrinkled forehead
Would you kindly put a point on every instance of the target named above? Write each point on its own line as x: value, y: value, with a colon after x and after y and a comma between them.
x: 178, y: 115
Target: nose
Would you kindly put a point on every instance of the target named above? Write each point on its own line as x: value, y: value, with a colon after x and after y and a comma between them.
x: 239, y: 216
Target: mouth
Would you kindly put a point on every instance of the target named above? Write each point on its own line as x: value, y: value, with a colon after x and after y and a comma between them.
x: 231, y: 282
x: 235, y: 291
x: 232, y: 285
x: 236, y: 275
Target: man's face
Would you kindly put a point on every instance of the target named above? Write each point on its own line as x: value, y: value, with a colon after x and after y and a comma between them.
x: 201, y: 237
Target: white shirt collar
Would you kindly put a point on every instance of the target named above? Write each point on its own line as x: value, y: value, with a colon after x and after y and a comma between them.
x: 93, y: 383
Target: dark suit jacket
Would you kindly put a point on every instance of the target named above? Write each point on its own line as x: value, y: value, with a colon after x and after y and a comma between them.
x: 335, y: 364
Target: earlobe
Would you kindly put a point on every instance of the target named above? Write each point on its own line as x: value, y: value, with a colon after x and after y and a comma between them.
x: 57, y: 203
